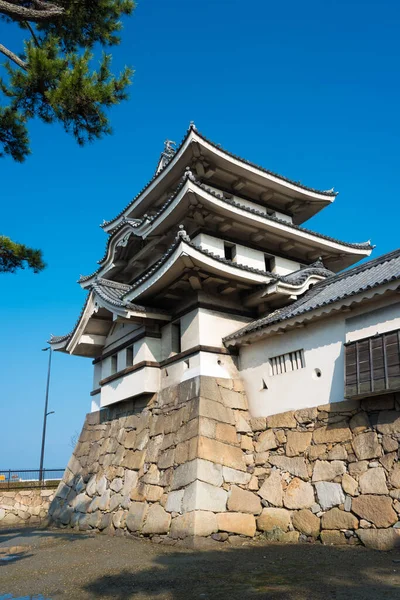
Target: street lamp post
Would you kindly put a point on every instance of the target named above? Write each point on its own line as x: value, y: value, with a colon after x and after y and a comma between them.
x: 46, y: 414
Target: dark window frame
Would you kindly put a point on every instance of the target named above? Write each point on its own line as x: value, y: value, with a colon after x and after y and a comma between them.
x: 372, y: 365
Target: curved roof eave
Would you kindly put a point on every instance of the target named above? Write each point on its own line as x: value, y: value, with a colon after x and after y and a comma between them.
x: 178, y: 194
x: 192, y: 135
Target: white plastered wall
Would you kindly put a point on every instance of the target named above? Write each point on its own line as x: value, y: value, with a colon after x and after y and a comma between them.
x: 323, y: 345
x: 283, y: 266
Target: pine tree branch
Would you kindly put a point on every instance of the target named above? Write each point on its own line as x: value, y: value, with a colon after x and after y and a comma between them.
x: 29, y: 26
x: 18, y: 61
x: 22, y: 13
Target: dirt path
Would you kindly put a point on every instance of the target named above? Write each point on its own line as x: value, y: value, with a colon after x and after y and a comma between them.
x: 77, y: 567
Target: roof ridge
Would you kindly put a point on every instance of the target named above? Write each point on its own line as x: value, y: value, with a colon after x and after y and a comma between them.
x: 328, y: 193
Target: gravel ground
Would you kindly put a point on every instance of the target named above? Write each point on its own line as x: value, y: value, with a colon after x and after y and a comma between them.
x: 58, y: 565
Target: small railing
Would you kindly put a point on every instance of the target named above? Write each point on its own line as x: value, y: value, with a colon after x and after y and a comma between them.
x: 29, y: 478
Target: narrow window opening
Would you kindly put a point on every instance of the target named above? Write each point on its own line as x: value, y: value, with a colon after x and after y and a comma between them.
x: 284, y: 363
x: 229, y: 251
x: 129, y: 356
x: 264, y: 385
x: 114, y: 364
x: 176, y: 337
x: 269, y: 263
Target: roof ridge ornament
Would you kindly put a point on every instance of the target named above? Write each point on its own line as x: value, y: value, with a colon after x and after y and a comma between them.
x: 166, y: 155
x: 189, y: 174
x: 192, y: 126
x: 182, y: 235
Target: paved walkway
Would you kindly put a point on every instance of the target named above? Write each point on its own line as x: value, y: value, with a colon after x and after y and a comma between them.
x: 61, y: 566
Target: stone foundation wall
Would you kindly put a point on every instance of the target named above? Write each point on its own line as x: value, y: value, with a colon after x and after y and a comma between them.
x: 191, y: 462
x: 24, y: 506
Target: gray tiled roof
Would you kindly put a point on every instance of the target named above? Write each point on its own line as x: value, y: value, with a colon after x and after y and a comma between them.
x: 327, y: 193
x: 235, y: 203
x: 371, y: 274
x: 112, y: 292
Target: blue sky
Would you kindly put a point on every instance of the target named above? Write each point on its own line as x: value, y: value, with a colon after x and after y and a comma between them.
x: 310, y: 90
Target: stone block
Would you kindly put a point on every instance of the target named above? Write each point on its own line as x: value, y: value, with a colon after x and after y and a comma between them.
x: 373, y: 481
x: 116, y: 485
x: 74, y: 465
x: 204, y: 470
x: 349, y: 485
x: 226, y: 433
x: 329, y: 494
x: 243, y: 501
x: 81, y: 503
x: 258, y: 424
x: 198, y: 522
x: 306, y: 415
x: 136, y: 515
x: 185, y: 451
x: 218, y: 452
x: 338, y: 519
x: 130, y: 481
x: 174, y: 501
x: 338, y: 452
x: 152, y: 475
x: 317, y: 451
x: 246, y: 443
x: 375, y: 509
x: 104, y: 501
x: 297, y: 442
x: 166, y: 459
x: 271, y: 489
x: 274, y: 518
x: 233, y: 399
x: 395, y: 476
x: 299, y: 494
x: 329, y: 434
x: 387, y: 460
x: 234, y: 476
x: 115, y: 501
x: 134, y: 460
x: 153, y: 493
x: 203, y: 496
x: 306, y: 522
x: 119, y: 518
x: 285, y: 419
x: 266, y: 441
x: 153, y: 449
x: 260, y: 458
x: 366, y: 445
x: 380, y: 539
x: 389, y: 444
x: 333, y: 538
x: 359, y: 423
x: 356, y: 468
x: 242, y: 426
x: 327, y: 471
x: 204, y: 407
x: 239, y: 523
x: 296, y: 466
x: 130, y: 440
x: 168, y: 441
x: 157, y: 520
x: 62, y: 491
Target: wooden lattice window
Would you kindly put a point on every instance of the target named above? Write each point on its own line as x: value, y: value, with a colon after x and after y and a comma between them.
x: 372, y: 365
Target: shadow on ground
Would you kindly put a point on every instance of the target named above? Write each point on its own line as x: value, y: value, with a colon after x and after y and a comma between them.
x: 100, y: 567
x: 274, y: 572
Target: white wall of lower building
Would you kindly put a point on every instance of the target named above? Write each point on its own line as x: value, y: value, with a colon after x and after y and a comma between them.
x: 380, y: 320
x: 323, y: 346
